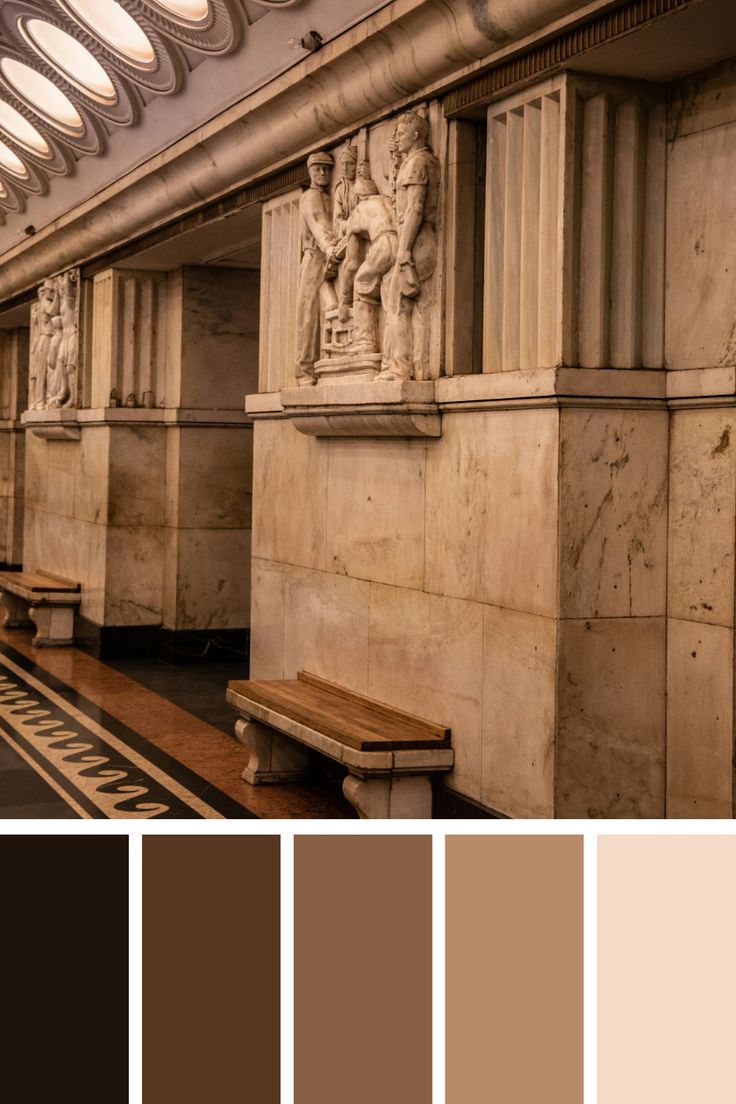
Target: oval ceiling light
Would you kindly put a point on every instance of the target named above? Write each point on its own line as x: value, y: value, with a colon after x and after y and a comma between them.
x: 193, y: 11
x: 111, y: 23
x: 3, y: 191
x: 11, y: 162
x: 16, y: 126
x: 42, y: 94
x: 70, y: 58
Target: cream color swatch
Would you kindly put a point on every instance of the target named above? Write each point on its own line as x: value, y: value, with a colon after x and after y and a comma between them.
x: 667, y: 969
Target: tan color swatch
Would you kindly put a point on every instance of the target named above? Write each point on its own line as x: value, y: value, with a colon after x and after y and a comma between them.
x: 514, y: 970
x: 363, y: 970
x: 666, y: 969
x: 211, y: 970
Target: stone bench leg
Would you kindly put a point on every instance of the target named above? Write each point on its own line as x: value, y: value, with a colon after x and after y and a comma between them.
x: 54, y: 625
x: 16, y: 612
x: 273, y: 757
x: 402, y: 798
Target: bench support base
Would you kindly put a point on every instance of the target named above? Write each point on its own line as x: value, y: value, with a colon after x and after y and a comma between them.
x: 407, y: 797
x: 273, y: 757
x: 16, y: 612
x: 54, y: 626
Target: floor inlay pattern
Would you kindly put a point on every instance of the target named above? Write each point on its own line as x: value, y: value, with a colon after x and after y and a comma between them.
x: 101, y: 768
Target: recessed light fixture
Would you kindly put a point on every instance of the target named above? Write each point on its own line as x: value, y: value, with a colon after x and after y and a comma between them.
x: 16, y: 126
x: 70, y: 58
x: 10, y: 161
x: 3, y: 191
x: 193, y: 11
x: 42, y: 94
x: 115, y: 27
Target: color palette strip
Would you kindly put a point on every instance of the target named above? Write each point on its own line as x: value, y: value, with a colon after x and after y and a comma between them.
x: 64, y: 930
x: 666, y: 969
x: 211, y: 969
x: 514, y: 969
x: 363, y: 970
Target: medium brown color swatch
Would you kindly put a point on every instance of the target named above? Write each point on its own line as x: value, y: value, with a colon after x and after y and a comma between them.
x: 514, y: 969
x: 211, y: 970
x: 363, y: 970
x: 64, y: 928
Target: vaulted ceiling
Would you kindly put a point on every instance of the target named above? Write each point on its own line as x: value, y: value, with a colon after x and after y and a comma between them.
x: 72, y: 72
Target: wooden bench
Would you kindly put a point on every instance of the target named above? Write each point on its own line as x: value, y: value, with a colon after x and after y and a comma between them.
x: 390, y: 755
x: 42, y: 600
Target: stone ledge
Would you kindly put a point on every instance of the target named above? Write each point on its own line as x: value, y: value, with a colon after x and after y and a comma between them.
x: 553, y: 386
x: 67, y: 424
x: 391, y: 408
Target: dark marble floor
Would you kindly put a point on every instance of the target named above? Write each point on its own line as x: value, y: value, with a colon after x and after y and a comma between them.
x: 169, y: 723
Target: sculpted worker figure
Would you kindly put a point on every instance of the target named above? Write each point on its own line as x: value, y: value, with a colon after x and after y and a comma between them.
x: 315, y: 290
x: 417, y: 194
x: 362, y: 282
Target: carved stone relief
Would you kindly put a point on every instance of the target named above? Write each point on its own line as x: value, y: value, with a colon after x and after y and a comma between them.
x: 369, y: 252
x: 53, y: 377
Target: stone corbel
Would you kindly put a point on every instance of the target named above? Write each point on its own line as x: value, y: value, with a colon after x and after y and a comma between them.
x: 52, y: 425
x: 393, y: 408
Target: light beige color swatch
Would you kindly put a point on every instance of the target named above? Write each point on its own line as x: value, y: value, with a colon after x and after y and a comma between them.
x: 666, y: 969
x: 514, y: 970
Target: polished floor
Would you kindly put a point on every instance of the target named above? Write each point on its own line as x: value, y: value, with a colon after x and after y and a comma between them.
x: 131, y: 739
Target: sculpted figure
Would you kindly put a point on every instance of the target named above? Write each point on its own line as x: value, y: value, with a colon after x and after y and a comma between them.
x: 69, y: 350
x: 315, y: 290
x: 45, y: 344
x: 417, y: 194
x: 362, y: 284
x: 344, y: 200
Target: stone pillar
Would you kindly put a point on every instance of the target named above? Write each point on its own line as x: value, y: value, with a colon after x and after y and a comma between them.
x: 213, y: 343
x: 507, y: 580
x: 145, y: 498
x: 13, y: 401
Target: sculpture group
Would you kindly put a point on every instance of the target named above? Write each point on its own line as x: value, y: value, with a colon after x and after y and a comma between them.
x: 55, y: 344
x: 365, y: 280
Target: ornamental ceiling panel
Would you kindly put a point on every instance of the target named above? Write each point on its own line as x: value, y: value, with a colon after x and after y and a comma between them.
x: 73, y: 72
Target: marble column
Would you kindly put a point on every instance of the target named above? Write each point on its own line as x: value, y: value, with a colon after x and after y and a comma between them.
x: 13, y: 401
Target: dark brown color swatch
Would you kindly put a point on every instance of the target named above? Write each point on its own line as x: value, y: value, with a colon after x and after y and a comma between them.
x: 211, y: 970
x: 515, y: 969
x: 363, y: 970
x: 64, y: 930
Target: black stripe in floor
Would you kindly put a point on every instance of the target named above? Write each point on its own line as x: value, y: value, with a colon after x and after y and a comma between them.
x: 100, y: 767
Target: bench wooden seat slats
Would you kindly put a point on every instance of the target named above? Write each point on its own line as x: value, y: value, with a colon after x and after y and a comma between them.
x: 353, y: 720
x: 38, y: 582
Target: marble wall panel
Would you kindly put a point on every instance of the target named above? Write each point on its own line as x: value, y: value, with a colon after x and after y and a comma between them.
x: 700, y: 327
x: 700, y: 740
x: 519, y: 694
x: 134, y: 575
x: 611, y: 718
x: 326, y: 627
x: 426, y: 656
x: 215, y: 477
x: 267, y: 620
x: 219, y: 337
x: 69, y: 547
x: 289, y: 495
x: 212, y: 579
x: 702, y: 515
x: 37, y: 465
x: 92, y: 474
x: 63, y: 471
x: 613, y: 513
x: 137, y: 488
x: 375, y: 511
x: 492, y: 509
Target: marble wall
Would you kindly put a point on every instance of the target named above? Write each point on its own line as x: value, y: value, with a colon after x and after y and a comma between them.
x: 13, y: 401
x: 149, y: 508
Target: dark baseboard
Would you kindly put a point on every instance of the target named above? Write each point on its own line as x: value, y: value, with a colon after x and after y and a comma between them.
x: 10, y: 567
x: 447, y: 804
x: 155, y: 642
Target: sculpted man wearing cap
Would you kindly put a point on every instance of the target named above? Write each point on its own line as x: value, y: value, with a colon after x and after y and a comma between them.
x: 315, y: 290
x: 362, y: 283
x: 44, y: 346
x: 417, y: 194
